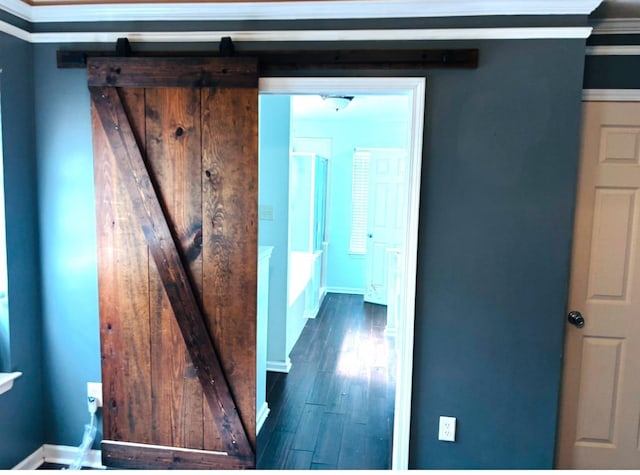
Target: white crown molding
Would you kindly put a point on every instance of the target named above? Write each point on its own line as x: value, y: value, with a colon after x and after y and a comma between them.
x: 15, y: 31
x: 626, y: 26
x: 302, y: 35
x: 17, y: 8
x: 605, y: 95
x: 618, y: 50
x: 275, y: 10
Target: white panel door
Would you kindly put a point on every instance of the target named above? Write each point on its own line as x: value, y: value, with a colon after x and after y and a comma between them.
x: 600, y: 405
x: 386, y: 191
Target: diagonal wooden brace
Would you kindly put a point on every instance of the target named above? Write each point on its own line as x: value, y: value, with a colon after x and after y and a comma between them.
x: 115, y: 123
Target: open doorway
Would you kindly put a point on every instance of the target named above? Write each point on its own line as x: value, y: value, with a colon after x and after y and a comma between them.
x: 319, y: 149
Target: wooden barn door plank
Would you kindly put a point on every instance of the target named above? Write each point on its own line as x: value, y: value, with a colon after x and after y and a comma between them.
x: 174, y: 160
x: 123, y: 280
x: 230, y: 232
x: 112, y: 118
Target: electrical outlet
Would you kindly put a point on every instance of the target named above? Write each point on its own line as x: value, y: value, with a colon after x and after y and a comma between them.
x: 447, y: 429
x: 95, y: 390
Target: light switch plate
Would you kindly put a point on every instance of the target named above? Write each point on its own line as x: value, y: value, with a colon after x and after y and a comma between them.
x: 266, y: 212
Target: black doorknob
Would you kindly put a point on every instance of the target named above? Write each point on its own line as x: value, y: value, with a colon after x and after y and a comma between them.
x: 576, y: 318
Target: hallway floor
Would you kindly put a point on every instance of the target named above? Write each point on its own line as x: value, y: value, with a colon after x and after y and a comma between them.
x: 334, y: 410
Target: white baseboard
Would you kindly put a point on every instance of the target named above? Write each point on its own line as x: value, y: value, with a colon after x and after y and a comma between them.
x: 65, y: 455
x: 32, y: 462
x: 314, y: 312
x: 262, y: 416
x: 60, y: 454
x: 279, y: 366
x: 345, y: 290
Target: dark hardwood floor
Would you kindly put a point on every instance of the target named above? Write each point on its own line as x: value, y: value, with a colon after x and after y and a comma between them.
x: 334, y: 410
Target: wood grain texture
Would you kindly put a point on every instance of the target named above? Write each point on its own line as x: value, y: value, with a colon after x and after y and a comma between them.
x: 229, y: 233
x: 192, y: 72
x: 124, y: 316
x: 135, y: 326
x: 348, y: 425
x: 151, y: 217
x: 132, y: 456
x: 277, y: 63
x: 173, y: 157
x: 291, y: 61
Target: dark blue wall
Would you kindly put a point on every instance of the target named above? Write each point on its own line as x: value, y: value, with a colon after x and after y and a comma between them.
x: 499, y: 173
x: 612, y: 72
x: 21, y: 409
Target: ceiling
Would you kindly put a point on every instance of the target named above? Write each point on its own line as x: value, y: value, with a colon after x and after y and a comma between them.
x: 383, y: 108
x: 619, y: 7
x: 609, y: 8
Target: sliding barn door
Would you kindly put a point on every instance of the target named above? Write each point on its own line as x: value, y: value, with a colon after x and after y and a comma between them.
x: 176, y: 175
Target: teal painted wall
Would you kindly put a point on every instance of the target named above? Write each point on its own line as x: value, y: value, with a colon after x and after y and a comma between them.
x: 273, y: 191
x: 345, y: 270
x: 21, y: 409
x: 70, y: 336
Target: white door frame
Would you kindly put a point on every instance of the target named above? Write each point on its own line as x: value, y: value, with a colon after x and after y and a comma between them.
x: 414, y: 87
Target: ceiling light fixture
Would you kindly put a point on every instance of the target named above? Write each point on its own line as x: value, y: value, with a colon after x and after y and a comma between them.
x: 337, y: 102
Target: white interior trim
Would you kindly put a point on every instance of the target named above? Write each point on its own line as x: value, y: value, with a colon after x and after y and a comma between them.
x: 275, y: 10
x: 60, y: 454
x: 622, y: 26
x: 263, y: 413
x: 279, y: 366
x: 407, y: 272
x: 345, y: 290
x: 618, y: 95
x: 435, y: 34
x: 416, y: 88
x: 618, y: 50
x: 6, y: 381
x: 32, y: 462
x: 15, y: 31
x: 17, y: 8
x: 65, y: 455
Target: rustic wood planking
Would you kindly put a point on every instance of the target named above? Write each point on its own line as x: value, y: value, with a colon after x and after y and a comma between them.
x: 113, y: 119
x: 112, y: 357
x: 160, y: 273
x: 123, y: 307
x: 173, y: 72
x: 353, y: 434
x: 173, y: 158
x: 292, y: 62
x: 133, y: 456
x: 230, y: 190
x: 135, y: 288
